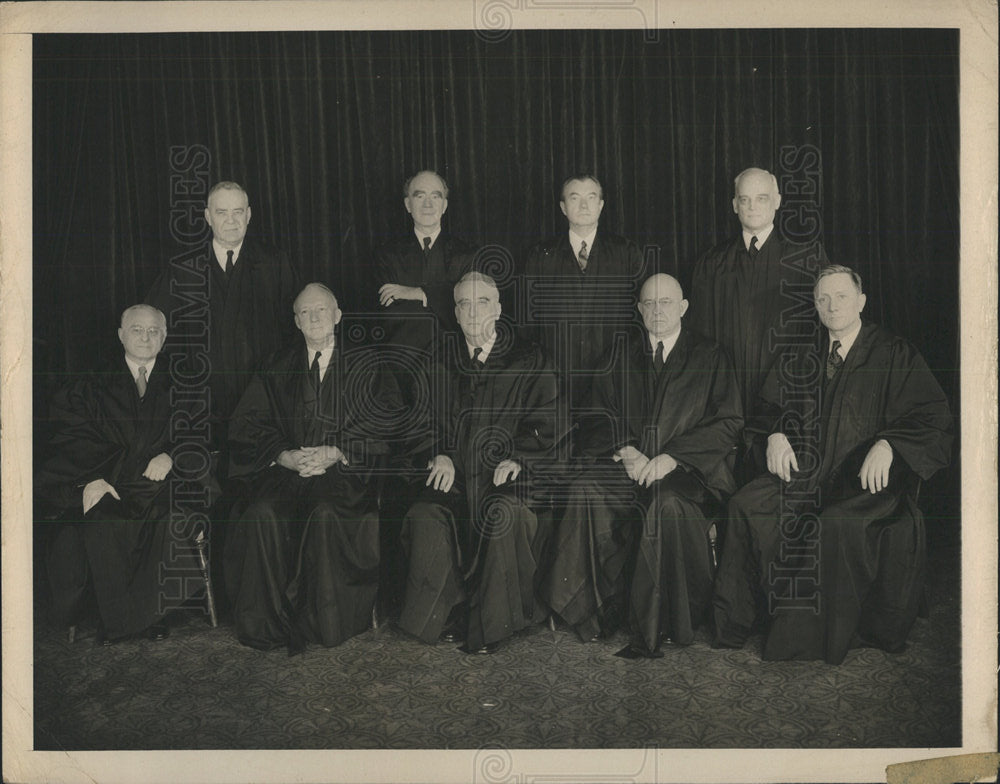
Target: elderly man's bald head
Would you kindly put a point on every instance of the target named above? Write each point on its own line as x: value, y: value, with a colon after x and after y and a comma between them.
x: 662, y: 305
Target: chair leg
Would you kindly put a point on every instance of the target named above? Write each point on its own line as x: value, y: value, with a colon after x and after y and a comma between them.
x: 375, y: 612
x: 201, y: 544
x: 552, y: 623
x: 713, y: 550
x: 72, y: 634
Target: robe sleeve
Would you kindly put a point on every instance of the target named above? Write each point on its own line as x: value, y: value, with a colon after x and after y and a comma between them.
x: 918, y: 422
x: 536, y: 430
x: 255, y: 436
x: 80, y: 452
x: 706, y: 444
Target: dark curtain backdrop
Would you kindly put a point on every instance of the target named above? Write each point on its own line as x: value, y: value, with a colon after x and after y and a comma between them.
x: 322, y: 127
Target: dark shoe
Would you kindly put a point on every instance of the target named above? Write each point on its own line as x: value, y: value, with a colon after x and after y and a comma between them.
x: 639, y: 651
x: 158, y: 631
x: 101, y: 636
x: 451, y: 636
x: 486, y: 650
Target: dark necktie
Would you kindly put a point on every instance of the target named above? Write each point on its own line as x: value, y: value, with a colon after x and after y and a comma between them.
x: 229, y: 264
x: 834, y: 361
x: 658, y: 357
x: 314, y: 373
x: 477, y: 363
x: 582, y: 256
x: 427, y: 247
x: 753, y: 250
x: 140, y: 381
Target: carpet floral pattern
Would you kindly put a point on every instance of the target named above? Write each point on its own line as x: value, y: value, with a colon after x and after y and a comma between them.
x: 200, y: 689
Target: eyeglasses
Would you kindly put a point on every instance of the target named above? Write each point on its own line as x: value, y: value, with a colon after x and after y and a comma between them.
x: 648, y: 304
x: 153, y: 332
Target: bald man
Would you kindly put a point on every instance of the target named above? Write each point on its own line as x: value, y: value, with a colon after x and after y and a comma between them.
x: 111, y: 474
x: 747, y: 291
x: 302, y: 559
x: 634, y: 541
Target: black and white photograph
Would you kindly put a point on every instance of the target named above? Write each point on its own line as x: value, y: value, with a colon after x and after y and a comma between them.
x: 498, y: 390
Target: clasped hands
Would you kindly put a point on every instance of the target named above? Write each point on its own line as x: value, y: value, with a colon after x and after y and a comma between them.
x: 156, y: 470
x: 442, y: 473
x: 391, y: 292
x: 874, y: 473
x: 642, y: 470
x: 311, y: 460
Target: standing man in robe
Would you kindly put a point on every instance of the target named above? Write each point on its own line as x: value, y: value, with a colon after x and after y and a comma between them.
x: 747, y: 291
x: 828, y: 547
x: 635, y: 533
x: 302, y: 558
x: 227, y: 305
x: 473, y: 540
x: 579, y: 290
x: 111, y: 476
x: 415, y: 276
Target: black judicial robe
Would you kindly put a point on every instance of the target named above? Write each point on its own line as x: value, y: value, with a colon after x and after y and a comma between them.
x: 409, y: 323
x: 754, y: 309
x: 618, y: 539
x: 480, y: 543
x: 576, y: 315
x: 302, y: 557
x: 141, y: 565
x: 821, y: 542
x: 226, y: 329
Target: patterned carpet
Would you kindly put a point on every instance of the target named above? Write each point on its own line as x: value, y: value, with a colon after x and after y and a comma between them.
x: 200, y: 689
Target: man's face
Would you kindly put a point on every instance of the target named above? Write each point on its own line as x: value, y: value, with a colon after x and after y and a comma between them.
x: 142, y: 334
x: 316, y: 314
x: 662, y: 305
x: 756, y: 201
x: 228, y: 213
x: 477, y: 308
x: 426, y: 202
x: 838, y: 303
x: 582, y: 204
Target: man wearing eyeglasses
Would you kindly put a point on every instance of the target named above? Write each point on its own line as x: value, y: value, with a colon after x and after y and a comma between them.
x: 666, y: 416
x: 110, y: 473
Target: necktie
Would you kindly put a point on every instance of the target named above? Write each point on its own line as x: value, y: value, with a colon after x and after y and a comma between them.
x: 658, y: 357
x: 140, y: 381
x: 314, y: 372
x: 427, y: 247
x: 477, y: 363
x: 229, y: 264
x: 753, y: 250
x: 834, y: 361
x: 582, y: 256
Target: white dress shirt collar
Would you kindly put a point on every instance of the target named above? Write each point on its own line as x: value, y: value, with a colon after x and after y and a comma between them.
x: 845, y: 342
x: 134, y: 367
x: 433, y: 235
x: 487, y: 348
x: 761, y: 236
x: 668, y: 343
x: 575, y: 241
x: 325, y: 355
x: 221, y: 252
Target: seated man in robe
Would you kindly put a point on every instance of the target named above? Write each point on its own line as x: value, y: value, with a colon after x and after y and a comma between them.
x: 473, y: 540
x: 302, y: 560
x: 827, y: 549
x: 635, y: 535
x: 111, y: 477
